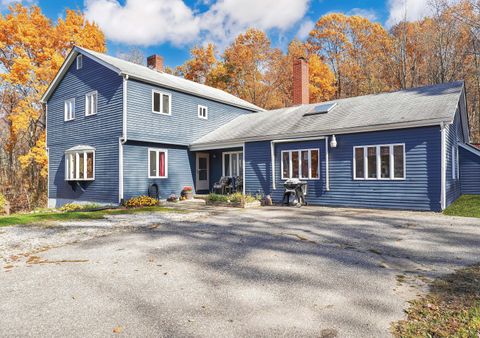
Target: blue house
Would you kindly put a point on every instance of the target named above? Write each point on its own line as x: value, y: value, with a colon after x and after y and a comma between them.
x: 114, y: 128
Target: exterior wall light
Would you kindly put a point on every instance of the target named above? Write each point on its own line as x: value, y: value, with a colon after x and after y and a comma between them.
x: 333, y: 142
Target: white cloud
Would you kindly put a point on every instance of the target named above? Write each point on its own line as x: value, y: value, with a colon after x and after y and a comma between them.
x: 369, y: 14
x: 305, y: 29
x: 150, y: 22
x: 144, y: 22
x: 411, y: 10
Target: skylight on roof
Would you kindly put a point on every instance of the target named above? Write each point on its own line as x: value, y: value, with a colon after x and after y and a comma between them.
x: 321, y: 109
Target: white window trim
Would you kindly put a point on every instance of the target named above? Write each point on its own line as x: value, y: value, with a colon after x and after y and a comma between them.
x: 158, y: 150
x: 229, y: 153
x: 290, y: 165
x: 79, y: 61
x: 65, y: 109
x: 96, y: 103
x: 199, y: 108
x: 77, y: 165
x: 161, y: 102
x: 378, y: 163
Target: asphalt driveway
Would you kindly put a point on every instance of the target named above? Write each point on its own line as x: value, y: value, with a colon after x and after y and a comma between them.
x: 322, y: 272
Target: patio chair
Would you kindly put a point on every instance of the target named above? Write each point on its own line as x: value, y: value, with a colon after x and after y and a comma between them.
x: 220, y: 186
x: 230, y: 187
x: 239, y: 183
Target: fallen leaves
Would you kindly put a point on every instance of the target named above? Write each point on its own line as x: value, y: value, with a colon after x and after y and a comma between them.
x: 38, y: 260
x: 117, y: 329
x: 300, y: 237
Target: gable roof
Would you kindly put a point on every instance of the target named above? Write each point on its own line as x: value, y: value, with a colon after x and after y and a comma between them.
x: 146, y: 74
x: 430, y: 105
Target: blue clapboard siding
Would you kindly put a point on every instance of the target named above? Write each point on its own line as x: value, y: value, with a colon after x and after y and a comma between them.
x: 420, y: 190
x: 183, y: 126
x: 100, y: 131
x: 258, y: 168
x: 136, y: 181
x: 470, y: 171
x: 454, y: 135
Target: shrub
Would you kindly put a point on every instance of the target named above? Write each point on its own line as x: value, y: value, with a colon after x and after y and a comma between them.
x: 71, y: 207
x: 217, y: 198
x: 237, y: 197
x: 141, y: 201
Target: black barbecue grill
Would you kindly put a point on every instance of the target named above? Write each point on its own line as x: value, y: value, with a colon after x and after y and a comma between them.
x: 296, y: 188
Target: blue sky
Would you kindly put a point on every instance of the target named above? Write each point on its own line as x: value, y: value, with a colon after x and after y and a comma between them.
x: 171, y: 27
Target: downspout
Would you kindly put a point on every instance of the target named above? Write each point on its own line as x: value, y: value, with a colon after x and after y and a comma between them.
x: 244, y: 167
x: 122, y: 140
x: 48, y: 155
x: 272, y: 151
x: 272, y: 157
x: 327, y: 166
x: 443, y: 179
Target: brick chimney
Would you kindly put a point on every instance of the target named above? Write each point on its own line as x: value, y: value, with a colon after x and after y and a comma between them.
x: 301, y: 94
x: 155, y: 62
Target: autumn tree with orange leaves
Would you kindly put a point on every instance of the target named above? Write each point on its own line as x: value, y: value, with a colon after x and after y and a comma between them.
x: 32, y: 49
x: 356, y: 50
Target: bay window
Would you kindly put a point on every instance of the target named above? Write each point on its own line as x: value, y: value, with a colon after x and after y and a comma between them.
x: 233, y: 164
x: 303, y: 164
x: 379, y: 162
x: 80, y: 164
x: 157, y: 163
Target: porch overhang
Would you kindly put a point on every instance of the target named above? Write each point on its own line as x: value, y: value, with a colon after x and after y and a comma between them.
x: 223, y: 145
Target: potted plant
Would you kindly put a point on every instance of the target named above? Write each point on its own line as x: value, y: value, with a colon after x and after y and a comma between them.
x: 187, y: 192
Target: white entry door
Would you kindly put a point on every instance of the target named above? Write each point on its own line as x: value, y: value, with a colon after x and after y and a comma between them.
x: 203, y: 171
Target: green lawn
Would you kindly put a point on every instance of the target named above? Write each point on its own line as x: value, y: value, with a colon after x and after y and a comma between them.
x: 466, y: 205
x: 21, y: 219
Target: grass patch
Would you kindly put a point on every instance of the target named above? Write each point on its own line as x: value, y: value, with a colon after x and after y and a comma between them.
x: 41, y: 217
x: 450, y: 309
x: 231, y: 198
x: 466, y: 205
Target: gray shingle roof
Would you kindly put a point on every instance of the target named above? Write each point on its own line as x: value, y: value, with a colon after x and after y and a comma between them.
x: 170, y: 81
x: 406, y: 108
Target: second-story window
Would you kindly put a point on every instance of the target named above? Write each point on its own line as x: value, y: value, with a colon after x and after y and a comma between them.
x: 91, y: 103
x: 202, y: 112
x: 69, y: 109
x: 161, y: 103
x: 79, y: 61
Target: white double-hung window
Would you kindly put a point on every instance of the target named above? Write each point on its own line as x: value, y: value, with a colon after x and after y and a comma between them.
x: 161, y: 103
x: 157, y: 163
x: 91, y: 103
x: 69, y: 109
x: 202, y: 112
x: 233, y: 163
x: 303, y: 164
x: 379, y: 162
x: 80, y: 164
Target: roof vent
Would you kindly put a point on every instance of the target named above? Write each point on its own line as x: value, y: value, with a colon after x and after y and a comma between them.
x: 321, y: 109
